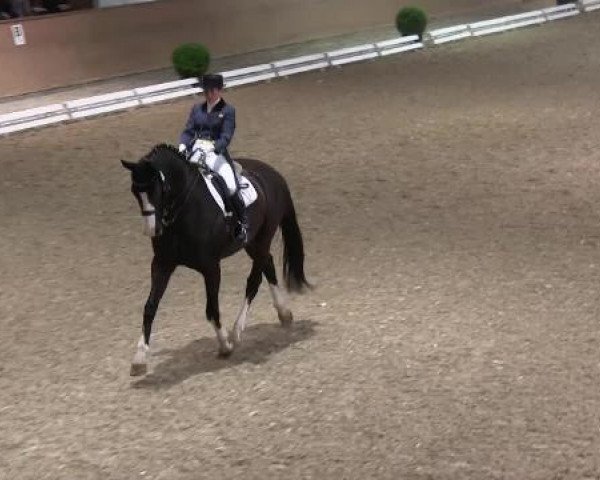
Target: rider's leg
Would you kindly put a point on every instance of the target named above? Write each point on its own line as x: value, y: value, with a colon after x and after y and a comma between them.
x: 219, y: 164
x: 224, y: 169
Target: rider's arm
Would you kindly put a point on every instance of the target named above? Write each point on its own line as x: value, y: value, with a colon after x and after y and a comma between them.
x: 187, y: 136
x: 227, y: 130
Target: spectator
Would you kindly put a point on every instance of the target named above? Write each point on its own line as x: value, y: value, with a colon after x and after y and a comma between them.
x: 20, y: 8
x: 6, y: 10
x: 51, y: 6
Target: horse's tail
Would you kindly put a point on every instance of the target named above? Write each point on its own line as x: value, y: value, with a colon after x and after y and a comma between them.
x: 293, y: 252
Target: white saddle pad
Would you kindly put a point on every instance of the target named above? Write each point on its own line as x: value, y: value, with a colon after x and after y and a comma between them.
x: 247, y: 190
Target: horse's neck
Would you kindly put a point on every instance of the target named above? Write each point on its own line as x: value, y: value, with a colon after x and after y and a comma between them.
x: 189, y: 187
x: 176, y: 174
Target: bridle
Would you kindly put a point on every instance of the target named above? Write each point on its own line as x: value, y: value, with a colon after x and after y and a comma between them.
x: 172, y: 211
x: 140, y: 188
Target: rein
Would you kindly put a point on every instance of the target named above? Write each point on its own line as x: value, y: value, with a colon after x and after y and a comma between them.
x: 172, y: 212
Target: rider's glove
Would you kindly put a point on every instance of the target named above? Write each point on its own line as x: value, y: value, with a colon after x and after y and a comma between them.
x: 182, y: 148
x: 198, y: 157
x: 205, y: 145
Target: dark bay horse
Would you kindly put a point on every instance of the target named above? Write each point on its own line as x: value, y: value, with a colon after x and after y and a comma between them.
x: 188, y: 228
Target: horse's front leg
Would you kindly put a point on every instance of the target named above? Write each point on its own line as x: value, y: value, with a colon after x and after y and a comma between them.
x: 161, y: 273
x: 212, y: 281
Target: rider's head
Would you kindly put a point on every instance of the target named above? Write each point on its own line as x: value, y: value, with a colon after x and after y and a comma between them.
x: 212, y: 85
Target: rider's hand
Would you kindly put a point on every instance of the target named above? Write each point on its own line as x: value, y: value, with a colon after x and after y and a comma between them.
x: 182, y: 148
x: 198, y: 157
x: 205, y: 145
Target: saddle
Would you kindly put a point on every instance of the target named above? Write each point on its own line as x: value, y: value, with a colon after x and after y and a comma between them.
x: 218, y: 188
x: 239, y: 170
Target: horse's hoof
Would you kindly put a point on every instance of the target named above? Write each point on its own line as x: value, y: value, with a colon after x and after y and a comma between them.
x: 138, y: 369
x: 223, y: 354
x: 285, y: 318
x: 235, y: 337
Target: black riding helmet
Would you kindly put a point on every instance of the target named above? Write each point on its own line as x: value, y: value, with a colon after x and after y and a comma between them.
x: 211, y: 80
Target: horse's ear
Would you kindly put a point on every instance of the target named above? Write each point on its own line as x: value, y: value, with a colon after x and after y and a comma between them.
x: 128, y: 165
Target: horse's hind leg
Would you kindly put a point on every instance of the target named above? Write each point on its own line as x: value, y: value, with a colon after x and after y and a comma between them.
x: 279, y: 298
x: 161, y: 273
x: 252, y: 284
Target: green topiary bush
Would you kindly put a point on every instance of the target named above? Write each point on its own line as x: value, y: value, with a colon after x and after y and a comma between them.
x: 411, y: 21
x: 191, y: 60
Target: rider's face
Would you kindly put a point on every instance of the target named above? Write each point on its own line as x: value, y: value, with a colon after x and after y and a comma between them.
x: 212, y: 94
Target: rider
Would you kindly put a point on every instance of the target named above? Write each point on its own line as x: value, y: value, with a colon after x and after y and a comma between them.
x: 207, y: 134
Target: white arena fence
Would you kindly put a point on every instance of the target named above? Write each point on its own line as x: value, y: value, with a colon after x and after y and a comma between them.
x: 590, y: 5
x: 137, y: 97
x: 511, y: 22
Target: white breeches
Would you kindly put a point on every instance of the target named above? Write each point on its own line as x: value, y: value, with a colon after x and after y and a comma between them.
x: 221, y: 166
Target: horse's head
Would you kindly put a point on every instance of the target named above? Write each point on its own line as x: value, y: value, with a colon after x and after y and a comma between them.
x: 148, y: 186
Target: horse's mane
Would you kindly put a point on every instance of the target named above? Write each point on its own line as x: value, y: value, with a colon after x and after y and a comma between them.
x: 161, y: 152
x: 163, y: 148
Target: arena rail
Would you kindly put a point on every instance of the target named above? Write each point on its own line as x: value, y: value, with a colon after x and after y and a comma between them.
x: 168, y: 91
x: 33, y: 118
x: 450, y: 34
x: 88, y: 107
x: 562, y: 11
x: 503, y: 24
x: 306, y: 63
x: 590, y: 5
x: 244, y: 76
x: 399, y: 45
x: 337, y: 58
x: 118, y: 101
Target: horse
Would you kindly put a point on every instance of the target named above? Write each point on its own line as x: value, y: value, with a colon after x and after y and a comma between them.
x: 188, y: 228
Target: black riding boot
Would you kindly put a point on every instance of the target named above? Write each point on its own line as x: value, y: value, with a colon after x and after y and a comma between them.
x: 237, y: 203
